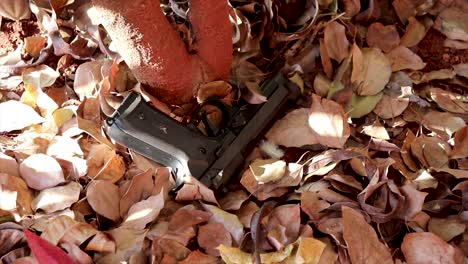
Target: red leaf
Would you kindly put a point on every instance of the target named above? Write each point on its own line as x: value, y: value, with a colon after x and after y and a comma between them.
x: 45, y: 252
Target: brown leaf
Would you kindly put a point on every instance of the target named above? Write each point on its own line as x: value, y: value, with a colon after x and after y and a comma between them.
x: 57, y: 198
x: 391, y: 106
x: 15, y: 9
x: 104, y: 197
x: 144, y: 212
x: 448, y: 101
x: 24, y: 194
x: 233, y: 200
x: 442, y: 123
x: 461, y: 141
x: 230, y: 221
x: 335, y: 40
x: 426, y: 247
x: 309, y: 250
x: 105, y: 164
x: 195, y: 190
x: 199, y: 258
x: 414, y: 33
x: 363, y: 243
x: 312, y: 205
x: 211, y: 235
x: 101, y: 243
x: 453, y: 22
x: 371, y: 70
x: 292, y: 130
x: 128, y: 241
x: 446, y: 228
x: 403, y: 58
x: 56, y: 228
x: 413, y: 204
x: 351, y: 7
x: 10, y: 238
x: 8, y: 165
x: 383, y: 37
x: 187, y: 217
x: 34, y: 44
x: 283, y: 225
x: 246, y: 212
x: 328, y: 122
x: 325, y: 58
x: 404, y: 9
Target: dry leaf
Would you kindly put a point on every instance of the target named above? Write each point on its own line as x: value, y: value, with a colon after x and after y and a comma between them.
x: 246, y: 212
x: 128, y: 241
x: 446, y: 228
x: 41, y: 171
x: 403, y: 58
x: 56, y: 228
x: 15, y: 9
x: 360, y: 106
x: 284, y: 225
x: 87, y: 77
x: 461, y: 141
x: 337, y: 44
x: 453, y: 22
x: 414, y: 33
x: 24, y: 195
x: 371, y: 70
x: 78, y: 233
x: 211, y: 235
x: 101, y: 243
x: 233, y: 200
x: 442, y: 123
x: 376, y: 130
x: 230, y: 221
x: 25, y: 116
x: 426, y: 247
x: 104, y: 197
x: 391, y: 106
x: 448, y: 101
x: 193, y: 189
x: 57, y: 198
x: 363, y: 243
x: 328, y: 122
x: 7, y: 199
x: 383, y: 37
x: 268, y: 170
x: 34, y: 44
x: 461, y: 69
x: 309, y: 250
x: 312, y: 205
x: 104, y: 164
x: 144, y: 212
x: 292, y: 130
x: 8, y: 165
x: 199, y: 258
x: 233, y: 255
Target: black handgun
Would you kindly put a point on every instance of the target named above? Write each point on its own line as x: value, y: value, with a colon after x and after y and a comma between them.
x: 212, y: 160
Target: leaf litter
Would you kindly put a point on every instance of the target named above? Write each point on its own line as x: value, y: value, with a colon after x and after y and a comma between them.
x: 369, y: 166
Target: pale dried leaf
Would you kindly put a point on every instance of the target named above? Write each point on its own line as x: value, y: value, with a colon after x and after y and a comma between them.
x: 8, y: 165
x: 448, y: 101
x: 128, y: 241
x: 15, y: 9
x: 403, y: 58
x: 25, y: 116
x: 442, y: 123
x: 41, y: 171
x: 57, y: 198
x: 268, y: 170
x: 453, y: 22
x: 292, y: 130
x: 328, y: 122
x: 144, y: 212
x: 193, y: 189
x: 446, y: 228
x: 371, y: 70
x: 104, y: 197
x: 87, y: 77
x: 233, y: 255
x: 391, y: 106
x: 414, y: 33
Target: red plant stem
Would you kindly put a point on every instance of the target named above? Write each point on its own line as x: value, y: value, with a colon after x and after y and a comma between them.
x: 157, y: 55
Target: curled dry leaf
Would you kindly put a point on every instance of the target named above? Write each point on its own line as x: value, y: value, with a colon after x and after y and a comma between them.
x: 25, y: 116
x: 414, y: 33
x: 442, y: 123
x: 15, y: 9
x: 292, y: 130
x: 211, y: 235
x: 104, y: 197
x: 383, y: 37
x: 193, y: 189
x: 105, y: 164
x: 328, y: 122
x: 448, y: 101
x: 403, y: 58
x: 144, y: 212
x: 363, y: 244
x: 335, y: 41
x: 461, y: 141
x: 371, y: 70
x: 41, y: 171
x: 425, y: 247
x: 230, y: 221
x: 268, y: 170
x: 57, y: 198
